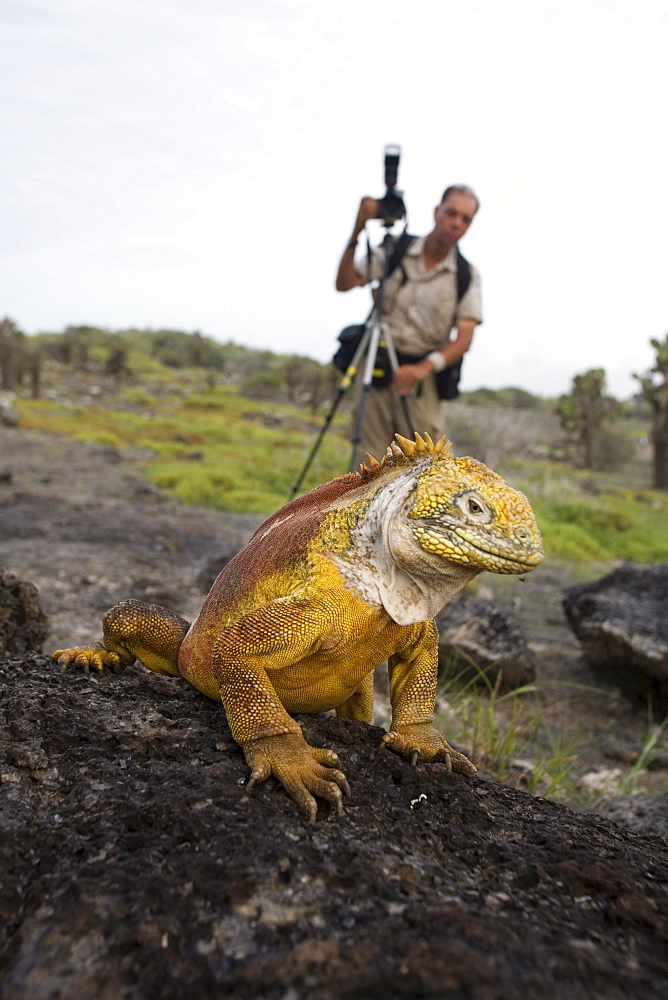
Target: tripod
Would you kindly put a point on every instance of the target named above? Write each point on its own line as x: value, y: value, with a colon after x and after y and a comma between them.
x: 367, y: 349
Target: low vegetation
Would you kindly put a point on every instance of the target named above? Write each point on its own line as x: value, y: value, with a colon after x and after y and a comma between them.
x: 211, y: 447
x: 512, y: 736
x: 220, y: 425
x: 507, y: 735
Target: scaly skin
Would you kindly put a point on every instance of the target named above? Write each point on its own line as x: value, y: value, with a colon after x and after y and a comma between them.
x: 339, y: 580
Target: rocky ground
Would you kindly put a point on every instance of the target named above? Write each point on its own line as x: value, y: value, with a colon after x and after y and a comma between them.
x: 133, y: 864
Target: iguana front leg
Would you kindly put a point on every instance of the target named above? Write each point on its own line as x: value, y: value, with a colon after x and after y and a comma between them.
x: 132, y: 631
x: 413, y: 673
x: 271, y: 638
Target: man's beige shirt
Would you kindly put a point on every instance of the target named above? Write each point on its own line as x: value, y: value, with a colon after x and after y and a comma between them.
x: 422, y: 312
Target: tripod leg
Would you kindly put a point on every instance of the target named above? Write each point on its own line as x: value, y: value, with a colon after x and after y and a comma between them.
x: 318, y: 440
x: 394, y: 363
x: 372, y: 351
x: 357, y: 431
x: 344, y: 385
x: 405, y: 406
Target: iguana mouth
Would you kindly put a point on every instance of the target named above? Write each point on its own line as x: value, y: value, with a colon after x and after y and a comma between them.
x: 461, y: 545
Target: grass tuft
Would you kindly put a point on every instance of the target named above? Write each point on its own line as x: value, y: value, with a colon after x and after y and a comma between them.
x: 506, y: 733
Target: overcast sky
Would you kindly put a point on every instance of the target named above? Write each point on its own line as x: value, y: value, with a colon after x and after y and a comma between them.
x: 197, y: 164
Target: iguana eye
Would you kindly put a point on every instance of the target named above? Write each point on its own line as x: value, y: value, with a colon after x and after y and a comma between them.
x: 474, y: 507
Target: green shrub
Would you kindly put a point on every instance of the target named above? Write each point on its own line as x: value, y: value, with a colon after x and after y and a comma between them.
x: 570, y: 542
x: 262, y: 385
x: 582, y: 517
x: 137, y: 396
x: 614, y: 450
x: 194, y: 489
x: 100, y: 437
x: 243, y: 500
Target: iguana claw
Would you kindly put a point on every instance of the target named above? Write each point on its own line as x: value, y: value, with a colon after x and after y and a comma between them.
x: 303, y: 770
x: 423, y: 742
x: 446, y: 759
x: 85, y: 657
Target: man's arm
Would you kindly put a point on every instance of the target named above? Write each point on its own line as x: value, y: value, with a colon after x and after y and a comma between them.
x: 406, y: 376
x: 347, y: 276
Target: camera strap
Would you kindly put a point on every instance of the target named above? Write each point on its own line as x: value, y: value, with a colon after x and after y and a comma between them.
x: 398, y: 254
x: 463, y: 275
x: 404, y: 240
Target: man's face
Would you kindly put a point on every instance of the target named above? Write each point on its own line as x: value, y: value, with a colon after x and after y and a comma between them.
x: 454, y: 216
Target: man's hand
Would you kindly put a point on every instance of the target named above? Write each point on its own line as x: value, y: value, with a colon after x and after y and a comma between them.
x: 407, y: 377
x: 368, y: 210
x: 347, y: 277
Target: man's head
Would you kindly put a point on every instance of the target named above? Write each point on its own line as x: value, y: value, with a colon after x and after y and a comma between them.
x: 455, y: 213
x: 461, y: 189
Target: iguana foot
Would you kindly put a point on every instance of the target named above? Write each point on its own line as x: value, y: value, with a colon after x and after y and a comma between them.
x: 303, y: 770
x: 85, y: 657
x: 423, y: 742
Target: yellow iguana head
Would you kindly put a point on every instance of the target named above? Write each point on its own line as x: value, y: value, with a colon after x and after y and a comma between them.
x: 463, y: 512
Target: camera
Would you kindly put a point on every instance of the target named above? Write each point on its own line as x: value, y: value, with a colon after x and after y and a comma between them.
x: 391, y: 206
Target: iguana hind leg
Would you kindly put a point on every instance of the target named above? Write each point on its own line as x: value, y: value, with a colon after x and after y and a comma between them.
x: 132, y: 631
x: 360, y: 704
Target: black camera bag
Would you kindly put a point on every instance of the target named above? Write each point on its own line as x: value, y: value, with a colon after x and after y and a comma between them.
x: 447, y: 380
x: 349, y: 339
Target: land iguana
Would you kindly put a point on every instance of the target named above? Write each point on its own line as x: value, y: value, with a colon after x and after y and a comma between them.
x: 337, y: 581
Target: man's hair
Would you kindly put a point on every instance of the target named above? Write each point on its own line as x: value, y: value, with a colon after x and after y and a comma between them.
x: 461, y: 189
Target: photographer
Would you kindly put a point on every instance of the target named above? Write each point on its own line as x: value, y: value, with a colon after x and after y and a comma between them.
x: 421, y: 308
